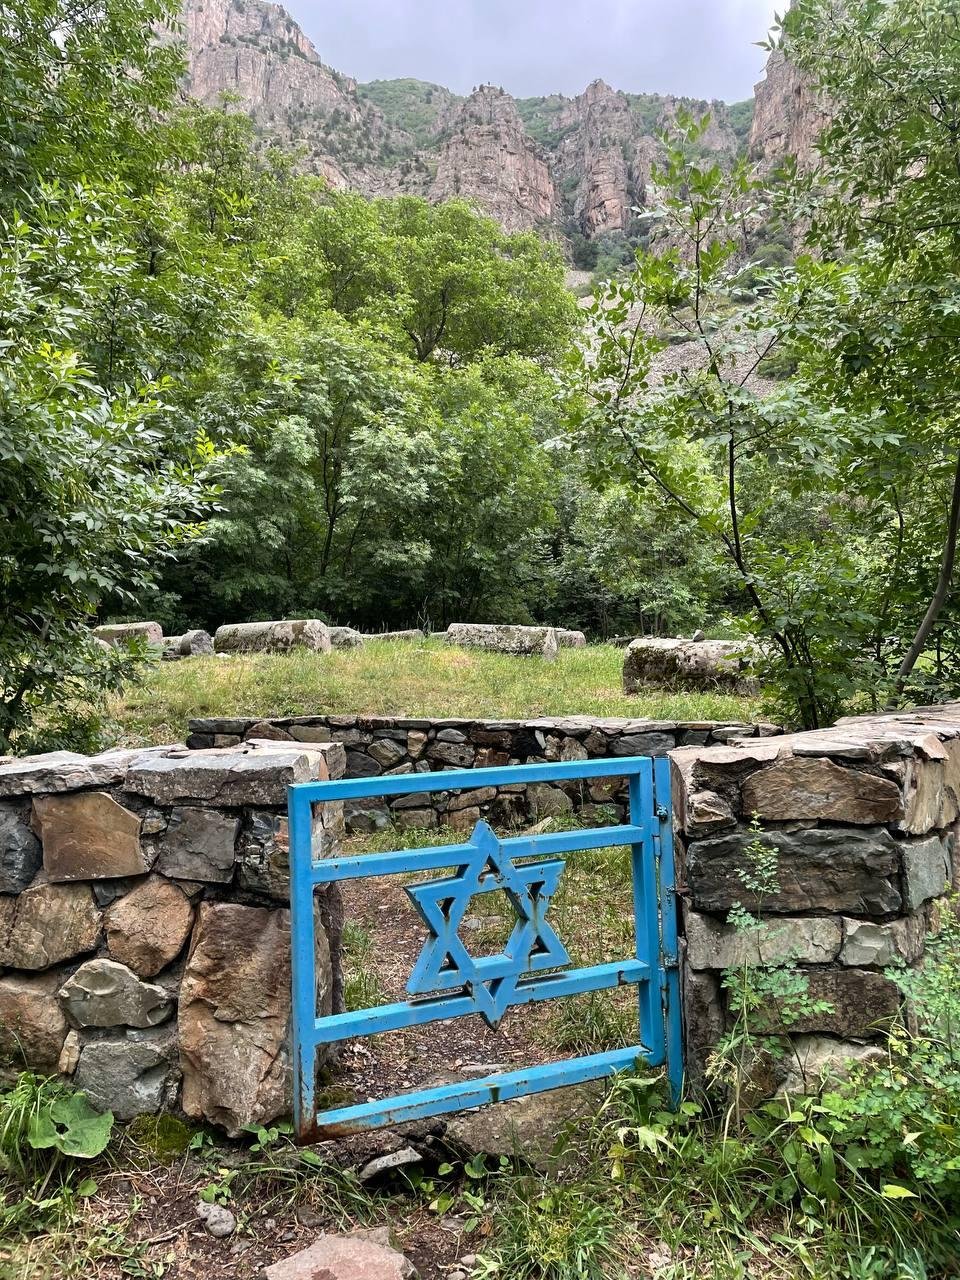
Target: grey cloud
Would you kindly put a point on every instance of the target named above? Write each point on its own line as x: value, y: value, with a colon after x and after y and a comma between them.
x: 701, y: 48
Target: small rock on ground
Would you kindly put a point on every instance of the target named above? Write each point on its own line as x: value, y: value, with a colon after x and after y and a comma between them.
x: 218, y: 1220
x: 383, y: 1164
x: 360, y: 1255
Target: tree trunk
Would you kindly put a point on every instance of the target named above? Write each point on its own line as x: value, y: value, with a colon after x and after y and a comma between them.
x: 939, y: 598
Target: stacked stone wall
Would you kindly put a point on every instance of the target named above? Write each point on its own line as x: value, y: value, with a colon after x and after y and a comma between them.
x: 144, y: 923
x: 381, y: 745
x: 145, y: 929
x: 865, y: 818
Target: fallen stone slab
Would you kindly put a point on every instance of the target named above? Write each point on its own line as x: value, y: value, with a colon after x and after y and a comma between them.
x: 520, y: 641
x: 345, y: 638
x: 387, y: 1163
x: 568, y: 639
x: 273, y: 637
x: 360, y: 1255
x: 692, y: 664
x: 119, y: 633
x: 192, y: 644
x: 530, y: 1127
x: 415, y: 634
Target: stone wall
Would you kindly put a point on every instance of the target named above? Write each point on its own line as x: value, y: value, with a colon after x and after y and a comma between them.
x: 144, y: 927
x: 865, y: 817
x: 378, y: 745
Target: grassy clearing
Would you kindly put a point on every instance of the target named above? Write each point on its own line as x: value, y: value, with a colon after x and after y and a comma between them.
x: 405, y: 679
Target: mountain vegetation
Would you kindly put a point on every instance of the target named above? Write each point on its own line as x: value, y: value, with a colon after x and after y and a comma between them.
x: 415, y: 107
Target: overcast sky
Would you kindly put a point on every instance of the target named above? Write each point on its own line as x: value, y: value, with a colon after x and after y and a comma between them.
x: 699, y: 48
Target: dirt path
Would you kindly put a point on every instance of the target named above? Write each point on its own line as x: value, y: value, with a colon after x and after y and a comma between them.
x: 396, y: 1062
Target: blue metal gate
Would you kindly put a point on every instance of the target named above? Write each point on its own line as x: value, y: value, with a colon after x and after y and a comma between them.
x: 447, y: 982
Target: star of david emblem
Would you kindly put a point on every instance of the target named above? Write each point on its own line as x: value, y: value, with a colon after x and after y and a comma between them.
x: 445, y: 963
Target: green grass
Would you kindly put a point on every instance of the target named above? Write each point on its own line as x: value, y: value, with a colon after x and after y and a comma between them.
x: 427, y: 678
x: 361, y: 986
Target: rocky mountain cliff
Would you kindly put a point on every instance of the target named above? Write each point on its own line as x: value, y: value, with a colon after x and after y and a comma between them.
x: 572, y: 167
x: 787, y: 118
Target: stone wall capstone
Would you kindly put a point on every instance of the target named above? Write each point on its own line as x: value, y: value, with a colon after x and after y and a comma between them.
x: 145, y: 928
x: 865, y: 818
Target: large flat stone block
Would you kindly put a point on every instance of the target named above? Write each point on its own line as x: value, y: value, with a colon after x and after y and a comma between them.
x: 234, y: 1014
x: 504, y: 638
x: 48, y: 924
x: 273, y: 637
x: 712, y: 944
x: 852, y: 870
x: 810, y: 789
x: 869, y: 945
x: 253, y: 775
x: 62, y: 771
x: 694, y: 664
x: 119, y: 632
x: 89, y: 836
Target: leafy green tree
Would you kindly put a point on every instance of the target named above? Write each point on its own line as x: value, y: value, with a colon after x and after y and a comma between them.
x: 882, y: 339
x: 451, y: 283
x: 98, y: 477
x: 371, y: 483
x: 368, y: 486
x: 489, y: 519
x: 86, y: 501
x: 755, y: 470
x: 627, y: 563
x: 334, y: 454
x: 80, y: 88
x: 336, y: 256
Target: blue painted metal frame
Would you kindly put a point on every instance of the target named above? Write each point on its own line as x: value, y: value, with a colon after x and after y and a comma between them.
x: 447, y: 982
